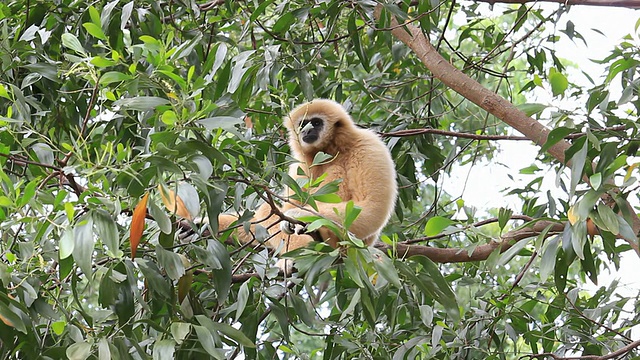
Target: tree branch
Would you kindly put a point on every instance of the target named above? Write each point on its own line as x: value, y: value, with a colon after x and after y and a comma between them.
x: 414, y: 132
x: 480, y: 252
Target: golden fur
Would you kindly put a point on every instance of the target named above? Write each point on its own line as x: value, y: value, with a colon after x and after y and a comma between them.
x: 360, y: 159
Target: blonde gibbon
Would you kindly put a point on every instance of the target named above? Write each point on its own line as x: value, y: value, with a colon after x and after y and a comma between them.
x: 359, y: 158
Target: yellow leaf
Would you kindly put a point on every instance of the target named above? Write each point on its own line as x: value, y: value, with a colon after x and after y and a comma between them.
x: 174, y: 203
x: 630, y: 170
x: 137, y: 224
x: 572, y: 216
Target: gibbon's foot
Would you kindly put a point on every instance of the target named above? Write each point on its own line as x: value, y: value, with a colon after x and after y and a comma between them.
x: 286, y: 265
x: 290, y: 228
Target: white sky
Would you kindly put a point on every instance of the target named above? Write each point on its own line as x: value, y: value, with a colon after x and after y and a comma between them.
x: 488, y: 179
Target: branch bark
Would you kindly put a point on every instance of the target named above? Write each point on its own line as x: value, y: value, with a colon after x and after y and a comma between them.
x: 479, y: 253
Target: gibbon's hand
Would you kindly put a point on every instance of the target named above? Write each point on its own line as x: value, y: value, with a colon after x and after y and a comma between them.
x: 290, y: 228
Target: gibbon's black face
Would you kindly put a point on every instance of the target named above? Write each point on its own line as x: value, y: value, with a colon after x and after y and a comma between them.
x: 310, y: 129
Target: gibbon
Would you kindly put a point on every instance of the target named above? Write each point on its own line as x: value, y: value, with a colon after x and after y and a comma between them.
x: 359, y: 158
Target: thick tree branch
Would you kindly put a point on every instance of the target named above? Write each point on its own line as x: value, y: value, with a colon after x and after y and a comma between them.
x: 479, y: 253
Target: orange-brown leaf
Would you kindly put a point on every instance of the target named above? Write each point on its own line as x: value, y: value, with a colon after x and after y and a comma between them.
x: 6, y: 321
x: 173, y: 202
x: 137, y: 224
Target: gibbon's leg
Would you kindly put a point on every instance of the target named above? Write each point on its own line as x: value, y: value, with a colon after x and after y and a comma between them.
x: 270, y: 223
x: 262, y: 217
x: 366, y: 227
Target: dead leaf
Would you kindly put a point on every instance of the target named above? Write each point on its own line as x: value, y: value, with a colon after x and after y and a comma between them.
x: 137, y: 224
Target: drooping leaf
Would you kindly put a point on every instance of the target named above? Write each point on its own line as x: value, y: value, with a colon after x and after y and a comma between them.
x: 107, y: 230
x: 137, y: 224
x: 84, y: 243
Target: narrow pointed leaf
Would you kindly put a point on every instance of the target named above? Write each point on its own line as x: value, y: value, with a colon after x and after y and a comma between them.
x: 137, y: 224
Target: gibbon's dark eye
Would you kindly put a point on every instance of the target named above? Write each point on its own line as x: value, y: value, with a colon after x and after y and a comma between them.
x: 316, y: 122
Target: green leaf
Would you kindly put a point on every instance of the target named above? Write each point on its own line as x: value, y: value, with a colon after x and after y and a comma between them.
x: 432, y: 281
x: 243, y: 298
x: 169, y: 117
x: 79, y: 351
x: 84, y: 243
x: 156, y: 282
x: 532, y: 108
x: 355, y: 300
x: 284, y: 23
x: 101, y: 62
x: 260, y: 9
x: 171, y: 262
x: 436, y: 224
x: 94, y: 15
x: 558, y: 81
x: 58, y: 327
x: 113, y: 76
x: 595, y: 180
x: 608, y: 218
x: 625, y: 230
x: 238, y: 70
x: 161, y: 217
x: 4, y: 93
x: 5, y: 201
x: 186, y: 47
x: 355, y: 40
x: 555, y: 136
x: 94, y: 30
x: 206, y: 340
x: 579, y: 238
x: 578, y: 161
x: 221, y: 122
x: 190, y: 198
x: 560, y: 273
x: 504, y: 215
x: 179, y: 331
x: 221, y: 277
x: 548, y: 258
x: 385, y: 267
x: 141, y: 103
x: 104, y: 352
x: 43, y: 152
x: 351, y: 213
x: 164, y: 349
x: 321, y: 158
x: 11, y: 318
x: 28, y: 193
x: 234, y: 334
x: 107, y: 231
x: 71, y: 41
